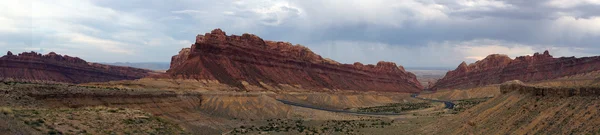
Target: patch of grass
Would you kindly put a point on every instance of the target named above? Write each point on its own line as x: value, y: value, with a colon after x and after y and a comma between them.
x: 6, y: 110
x: 462, y: 105
x: 35, y: 123
x: 134, y: 121
x: 395, y: 107
x: 54, y: 132
x: 95, y: 120
x: 290, y: 126
x: 112, y: 111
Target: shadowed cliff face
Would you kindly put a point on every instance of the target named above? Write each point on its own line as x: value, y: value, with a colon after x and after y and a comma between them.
x: 496, y: 69
x: 31, y: 66
x: 233, y: 59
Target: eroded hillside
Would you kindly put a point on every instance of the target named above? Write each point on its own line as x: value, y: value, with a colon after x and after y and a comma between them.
x: 52, y: 67
x: 496, y: 69
x: 249, y: 62
x: 521, y: 111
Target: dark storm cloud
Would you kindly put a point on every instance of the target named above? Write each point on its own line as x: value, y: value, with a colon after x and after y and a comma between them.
x: 405, y: 31
x: 532, y: 10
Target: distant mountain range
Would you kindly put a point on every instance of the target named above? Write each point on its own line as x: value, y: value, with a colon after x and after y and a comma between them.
x: 52, y: 67
x: 165, y: 66
x: 430, y: 68
x: 157, y: 66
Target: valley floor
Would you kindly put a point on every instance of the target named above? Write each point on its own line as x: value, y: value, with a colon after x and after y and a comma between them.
x: 27, y: 108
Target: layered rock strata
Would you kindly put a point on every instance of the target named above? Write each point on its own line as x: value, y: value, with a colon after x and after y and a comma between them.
x: 550, y: 91
x: 32, y: 66
x: 496, y: 69
x: 245, y: 60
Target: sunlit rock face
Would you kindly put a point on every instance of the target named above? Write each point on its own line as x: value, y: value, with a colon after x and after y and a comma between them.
x: 234, y: 60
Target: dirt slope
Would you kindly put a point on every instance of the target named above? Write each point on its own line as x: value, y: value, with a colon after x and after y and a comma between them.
x: 515, y: 113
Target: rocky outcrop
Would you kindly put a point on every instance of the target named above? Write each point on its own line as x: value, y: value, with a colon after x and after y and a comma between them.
x: 245, y: 60
x: 549, y: 91
x: 496, y: 69
x: 52, y: 67
x: 180, y: 58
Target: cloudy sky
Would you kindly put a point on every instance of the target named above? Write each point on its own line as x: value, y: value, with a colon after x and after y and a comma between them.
x: 413, y: 33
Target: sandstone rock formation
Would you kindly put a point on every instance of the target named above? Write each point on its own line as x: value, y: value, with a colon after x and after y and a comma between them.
x: 249, y: 60
x: 52, y: 67
x: 496, y: 69
x: 549, y: 91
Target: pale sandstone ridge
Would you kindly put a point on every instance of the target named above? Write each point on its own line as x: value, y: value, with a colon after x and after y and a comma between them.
x: 52, y: 67
x: 496, y: 69
x: 235, y: 60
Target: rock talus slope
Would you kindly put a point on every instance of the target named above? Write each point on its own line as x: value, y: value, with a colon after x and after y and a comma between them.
x: 496, y: 69
x: 31, y: 66
x: 240, y: 61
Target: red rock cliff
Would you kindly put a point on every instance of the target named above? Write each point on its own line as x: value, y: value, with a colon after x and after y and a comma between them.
x: 31, y: 66
x: 496, y: 69
x: 233, y: 59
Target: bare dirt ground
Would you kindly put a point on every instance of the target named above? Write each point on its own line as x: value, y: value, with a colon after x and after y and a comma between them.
x: 81, y: 109
x: 157, y: 107
x: 93, y: 120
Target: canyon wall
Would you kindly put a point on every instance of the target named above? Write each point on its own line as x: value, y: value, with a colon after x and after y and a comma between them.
x: 549, y: 91
x: 31, y: 66
x: 496, y: 69
x: 248, y: 60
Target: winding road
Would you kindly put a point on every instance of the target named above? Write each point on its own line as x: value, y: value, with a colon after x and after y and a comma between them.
x: 334, y: 110
x: 449, y: 105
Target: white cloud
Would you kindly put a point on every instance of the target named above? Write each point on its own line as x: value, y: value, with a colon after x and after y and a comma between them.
x: 434, y: 54
x: 483, y: 4
x: 575, y: 28
x: 438, y: 55
x: 480, y: 48
x: 166, y: 42
x: 276, y: 13
x: 390, y: 13
x: 570, y: 51
x: 102, y: 44
x: 96, y: 28
x: 480, y: 52
x: 473, y: 7
x: 147, y: 39
x: 14, y: 16
x: 9, y: 25
x: 68, y: 10
x: 571, y: 3
x: 377, y: 12
x: 266, y: 12
x: 229, y: 13
x: 188, y: 11
x: 170, y: 18
x: 81, y: 28
x: 329, y: 13
x: 42, y: 50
